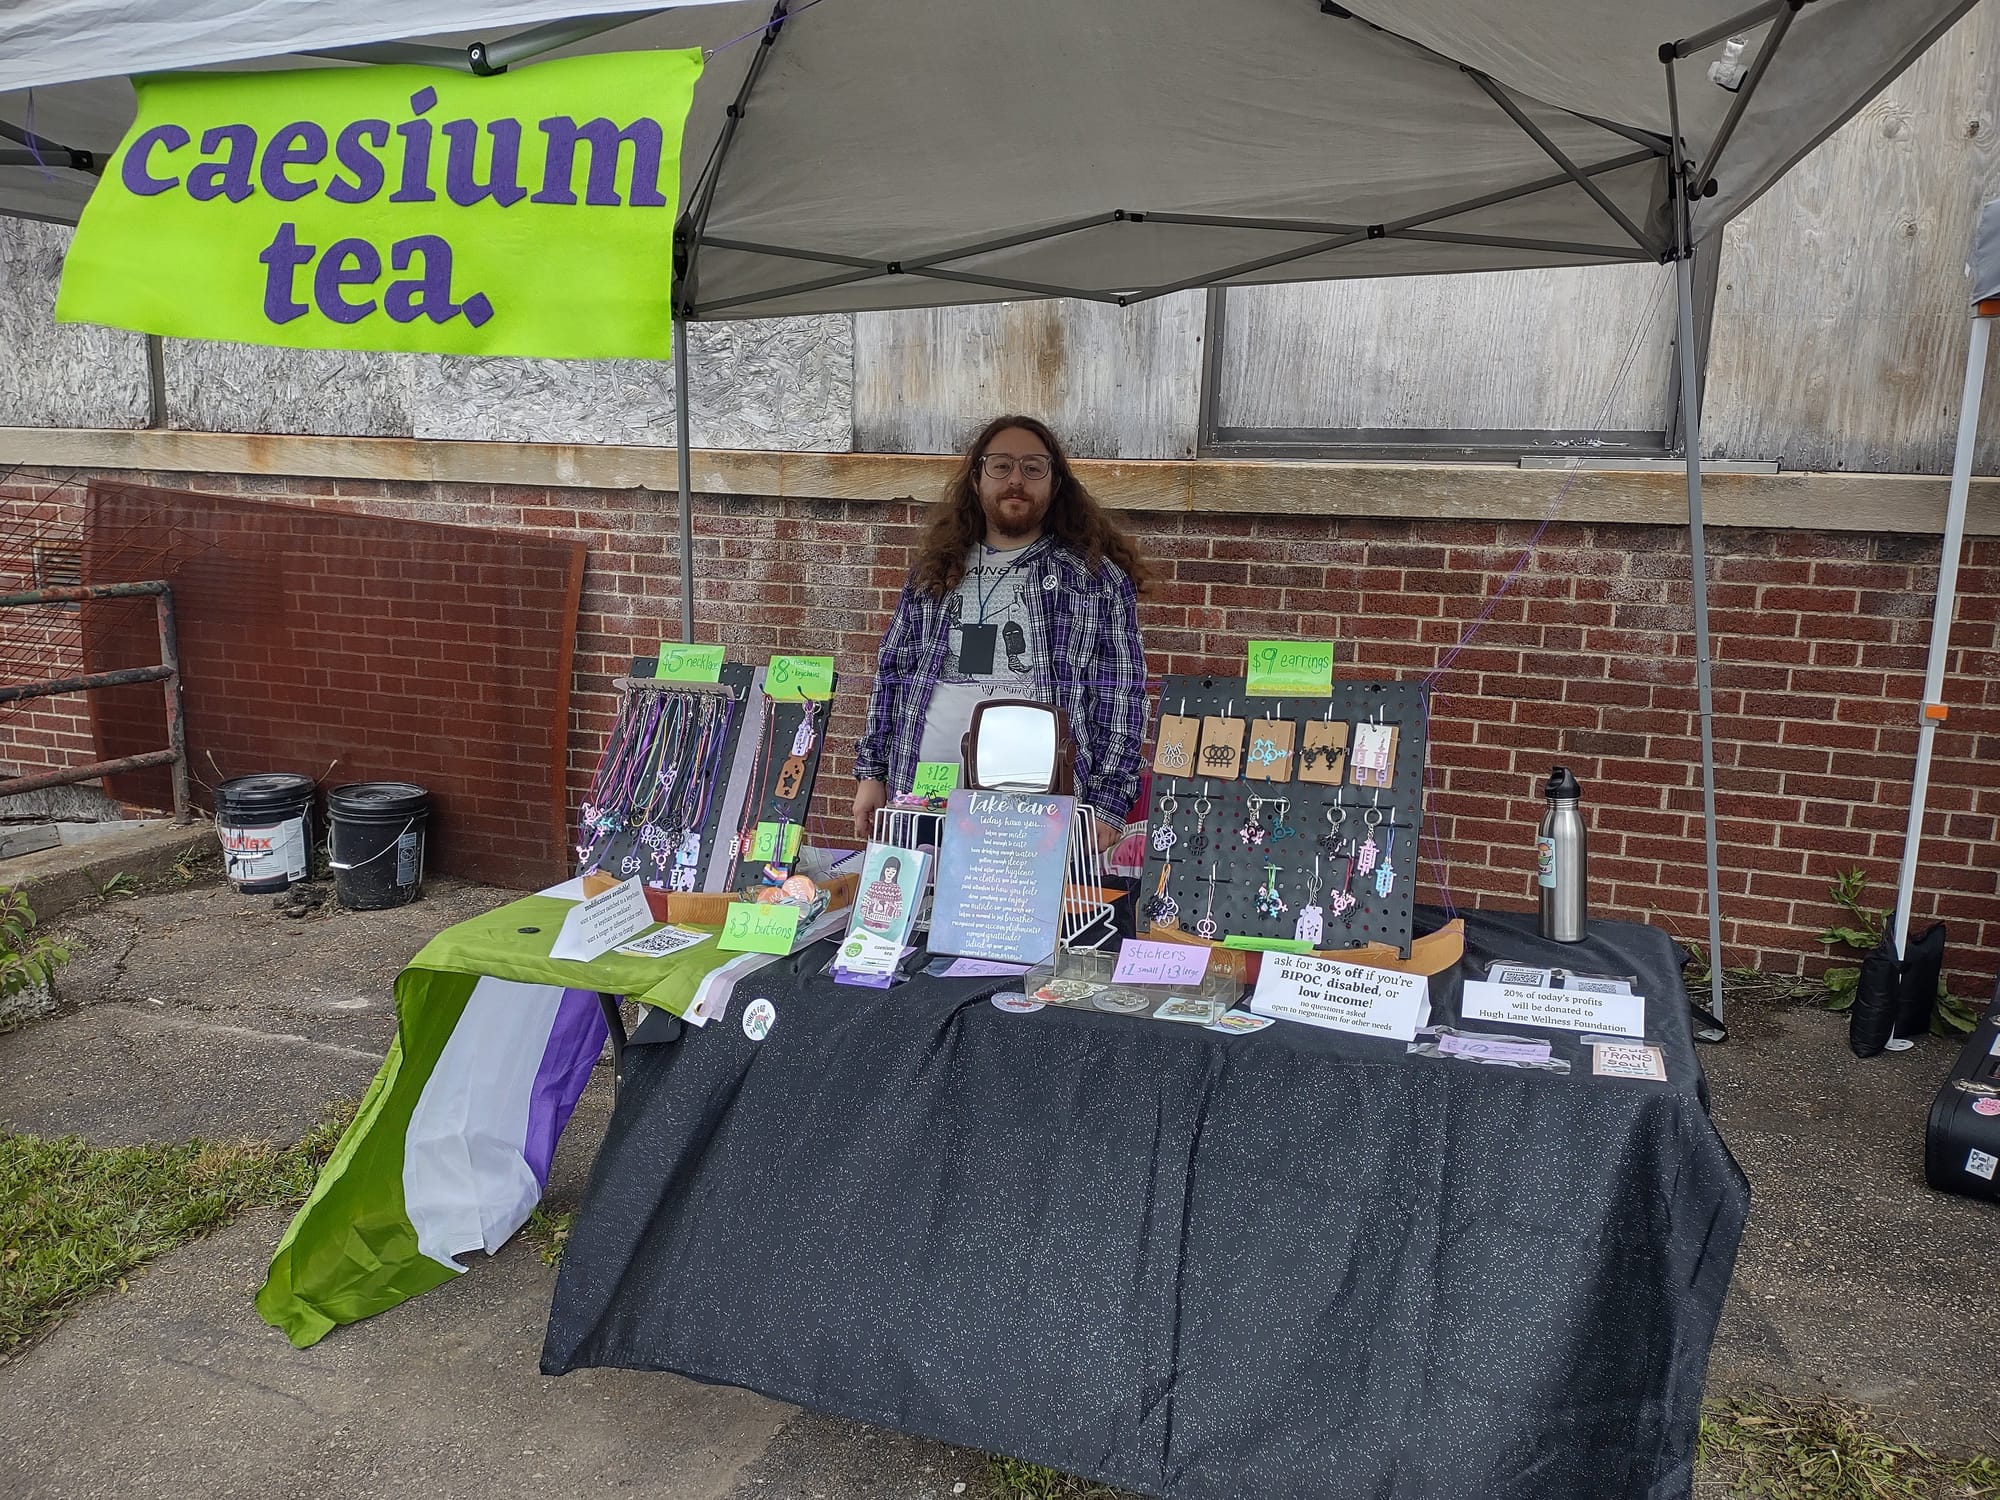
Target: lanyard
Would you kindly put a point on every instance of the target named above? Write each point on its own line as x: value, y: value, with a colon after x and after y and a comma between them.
x: 986, y: 593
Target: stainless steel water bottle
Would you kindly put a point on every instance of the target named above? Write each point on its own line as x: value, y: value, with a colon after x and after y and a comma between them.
x: 1562, y: 865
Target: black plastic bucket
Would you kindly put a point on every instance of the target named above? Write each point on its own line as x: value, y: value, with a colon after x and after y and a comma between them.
x: 265, y: 824
x: 376, y: 843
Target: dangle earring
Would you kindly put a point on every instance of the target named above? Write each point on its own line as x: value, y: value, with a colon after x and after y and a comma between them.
x: 1253, y: 832
x: 1312, y: 921
x: 1164, y: 835
x: 1385, y: 873
x: 1269, y: 903
x: 1364, y: 858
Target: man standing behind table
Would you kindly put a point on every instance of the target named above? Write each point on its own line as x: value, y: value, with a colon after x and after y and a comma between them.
x: 1023, y: 588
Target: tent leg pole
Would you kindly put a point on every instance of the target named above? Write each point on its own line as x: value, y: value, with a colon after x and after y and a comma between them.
x: 1941, y: 612
x: 684, y: 464
x: 1691, y: 437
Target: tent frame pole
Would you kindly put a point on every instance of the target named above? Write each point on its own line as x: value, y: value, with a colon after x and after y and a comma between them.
x: 1681, y: 188
x: 683, y: 462
x: 1932, y: 711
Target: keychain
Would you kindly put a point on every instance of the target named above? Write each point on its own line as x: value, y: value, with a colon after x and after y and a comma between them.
x: 1164, y: 835
x: 1385, y: 873
x: 1342, y: 900
x: 1206, y: 928
x: 1269, y: 902
x: 1253, y: 832
x: 1364, y: 859
x: 1199, y: 844
x: 1312, y: 921
x: 1162, y: 910
x: 1282, y: 829
x: 1329, y: 842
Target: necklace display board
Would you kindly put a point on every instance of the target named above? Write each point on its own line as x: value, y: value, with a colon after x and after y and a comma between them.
x: 654, y: 807
x: 771, y: 822
x: 1286, y: 818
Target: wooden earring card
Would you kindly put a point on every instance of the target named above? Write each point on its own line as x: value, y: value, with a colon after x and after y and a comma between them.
x: 1270, y: 757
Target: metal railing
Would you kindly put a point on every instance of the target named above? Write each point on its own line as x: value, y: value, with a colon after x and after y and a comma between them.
x: 167, y: 673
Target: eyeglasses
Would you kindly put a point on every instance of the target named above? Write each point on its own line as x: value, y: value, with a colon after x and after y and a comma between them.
x: 1034, y: 468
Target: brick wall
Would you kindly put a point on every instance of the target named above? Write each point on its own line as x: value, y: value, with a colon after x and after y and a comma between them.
x: 1820, y: 641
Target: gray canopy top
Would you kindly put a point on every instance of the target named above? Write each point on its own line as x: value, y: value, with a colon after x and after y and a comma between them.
x: 861, y: 154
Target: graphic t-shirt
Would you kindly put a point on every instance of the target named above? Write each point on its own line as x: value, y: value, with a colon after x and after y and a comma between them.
x: 994, y: 593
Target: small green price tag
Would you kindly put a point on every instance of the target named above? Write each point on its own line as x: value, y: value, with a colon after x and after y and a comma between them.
x: 794, y: 677
x: 1268, y: 945
x: 681, y: 662
x: 1290, y: 669
x: 751, y: 928
x: 935, y: 778
x: 765, y: 843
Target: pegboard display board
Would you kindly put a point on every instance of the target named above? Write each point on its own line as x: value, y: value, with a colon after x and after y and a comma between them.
x: 792, y: 739
x: 1280, y: 762
x: 655, y: 847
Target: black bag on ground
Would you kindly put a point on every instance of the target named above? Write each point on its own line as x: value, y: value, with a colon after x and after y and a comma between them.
x: 1962, y: 1141
x: 1917, y: 986
x: 1877, y: 996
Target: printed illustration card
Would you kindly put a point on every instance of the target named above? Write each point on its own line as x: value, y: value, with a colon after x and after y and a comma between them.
x: 885, y: 906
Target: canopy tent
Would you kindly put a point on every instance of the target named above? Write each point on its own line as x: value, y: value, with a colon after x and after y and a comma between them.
x: 861, y: 154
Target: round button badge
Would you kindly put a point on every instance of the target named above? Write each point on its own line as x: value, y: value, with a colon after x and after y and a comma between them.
x: 758, y: 1019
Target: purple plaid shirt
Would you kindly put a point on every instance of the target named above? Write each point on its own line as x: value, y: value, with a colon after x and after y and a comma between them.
x: 1096, y: 667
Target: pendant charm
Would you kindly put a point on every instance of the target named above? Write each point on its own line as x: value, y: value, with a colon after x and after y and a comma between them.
x: 1162, y: 910
x: 1163, y: 837
x: 1364, y: 858
x: 1385, y: 878
x: 1311, y: 925
x: 1205, y: 927
x: 1269, y: 902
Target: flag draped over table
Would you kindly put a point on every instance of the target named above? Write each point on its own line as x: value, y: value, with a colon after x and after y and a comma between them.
x: 450, y: 1149
x: 449, y: 1153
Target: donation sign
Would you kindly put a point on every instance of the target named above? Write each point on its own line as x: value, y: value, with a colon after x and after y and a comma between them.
x: 1000, y: 875
x: 1564, y: 1010
x: 1342, y: 997
x: 399, y: 208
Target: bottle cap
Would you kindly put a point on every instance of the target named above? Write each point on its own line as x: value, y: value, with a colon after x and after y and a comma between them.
x: 1562, y: 786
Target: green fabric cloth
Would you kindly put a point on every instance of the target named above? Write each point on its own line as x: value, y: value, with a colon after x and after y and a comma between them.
x: 350, y: 1250
x: 495, y: 944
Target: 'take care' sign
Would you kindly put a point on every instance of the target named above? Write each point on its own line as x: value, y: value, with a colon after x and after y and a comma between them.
x: 401, y: 208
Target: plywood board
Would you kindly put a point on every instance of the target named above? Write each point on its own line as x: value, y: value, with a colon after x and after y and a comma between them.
x: 1546, y: 350
x: 1841, y: 314
x: 1113, y: 382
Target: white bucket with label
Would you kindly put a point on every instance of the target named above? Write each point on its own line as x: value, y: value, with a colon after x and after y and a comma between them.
x: 265, y: 824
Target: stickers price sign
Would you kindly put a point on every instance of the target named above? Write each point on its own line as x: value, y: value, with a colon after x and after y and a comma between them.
x: 1290, y: 669
x: 1141, y: 962
x: 790, y: 678
x: 681, y: 661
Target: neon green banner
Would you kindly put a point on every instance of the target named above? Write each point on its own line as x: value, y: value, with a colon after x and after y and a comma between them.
x: 402, y: 208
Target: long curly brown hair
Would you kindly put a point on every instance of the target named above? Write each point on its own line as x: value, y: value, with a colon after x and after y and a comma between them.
x: 957, y: 521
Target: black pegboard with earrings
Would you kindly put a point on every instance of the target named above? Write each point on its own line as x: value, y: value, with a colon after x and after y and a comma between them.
x: 1286, y: 817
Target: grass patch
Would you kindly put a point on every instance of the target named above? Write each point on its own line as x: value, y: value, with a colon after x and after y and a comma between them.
x: 549, y: 1230
x: 1763, y: 1447
x: 1752, y: 1447
x: 1014, y: 1480
x: 76, y: 1218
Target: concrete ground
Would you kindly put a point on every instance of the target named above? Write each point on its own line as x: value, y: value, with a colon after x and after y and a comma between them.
x: 198, y: 1010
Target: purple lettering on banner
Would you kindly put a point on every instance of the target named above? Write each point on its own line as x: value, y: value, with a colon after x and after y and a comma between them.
x: 427, y: 295
x: 416, y: 187
x: 284, y: 255
x: 229, y: 178
x: 358, y: 159
x: 300, y: 144
x: 607, y: 143
x: 334, y: 272
x: 138, y: 169
x: 503, y: 183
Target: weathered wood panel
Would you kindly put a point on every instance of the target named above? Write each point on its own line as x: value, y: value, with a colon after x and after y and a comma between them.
x: 778, y: 383
x: 60, y: 374
x: 1551, y: 350
x: 1113, y: 382
x: 1840, y: 317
